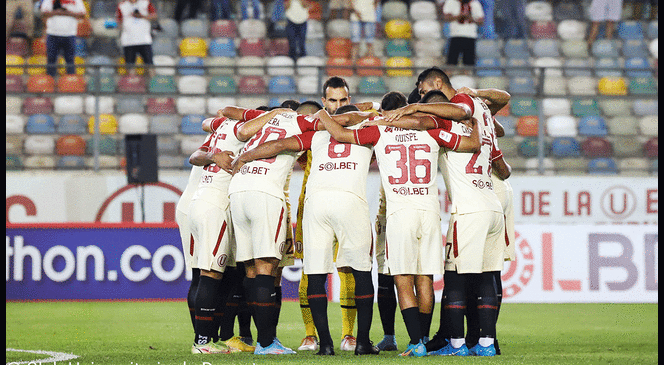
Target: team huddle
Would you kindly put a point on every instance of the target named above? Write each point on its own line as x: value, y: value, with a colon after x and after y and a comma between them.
x: 234, y: 218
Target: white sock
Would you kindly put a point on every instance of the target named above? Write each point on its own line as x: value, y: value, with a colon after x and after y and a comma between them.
x: 486, y: 341
x: 457, y: 342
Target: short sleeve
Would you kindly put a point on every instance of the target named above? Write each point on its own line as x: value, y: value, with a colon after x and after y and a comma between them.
x: 496, y: 153
x: 369, y: 135
x: 206, y: 145
x: 466, y: 100
x: 445, y: 138
x: 304, y: 140
x: 442, y: 123
x: 307, y: 123
x: 250, y: 114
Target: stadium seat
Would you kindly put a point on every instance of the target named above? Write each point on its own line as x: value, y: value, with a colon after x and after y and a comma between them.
x: 394, y: 9
x: 338, y: 47
x: 508, y: 123
x: 315, y: 29
x: 596, y: 147
x: 602, y: 166
x: 585, y: 107
x: 106, y: 84
x: 638, y: 67
x: 458, y: 81
x: 363, y: 64
x: 132, y: 84
x: 191, y: 124
x: 488, y: 67
x: 164, y: 46
x: 251, y: 47
x: 308, y: 84
x: 564, y: 10
x: 487, y: 48
x: 629, y: 29
x: 627, y: 147
x: 562, y: 147
x: 421, y: 10
x: 612, y: 108
x: 39, y: 145
x: 37, y: 105
x: 71, y: 84
x: 612, y: 86
x: 427, y: 29
x: 516, y: 48
x: 13, y: 104
x: 128, y: 104
x: 650, y: 149
x: 190, y: 105
x: 216, y: 103
x: 529, y: 147
x: 546, y: 48
x: 543, y: 29
x: 107, y: 124
x: 17, y: 46
x: 430, y: 48
x: 252, y: 28
x: 337, y: 28
x: 34, y: 60
x: 635, y: 48
x: 162, y: 84
x: 556, y: 106
x: 398, y: 28
x: 165, y: 65
x: 577, y: 67
x: 222, y: 47
x: 252, y: 101
x: 70, y: 145
x: 622, y: 125
x: 106, y: 104
x: 80, y: 47
x: 252, y: 84
x: 39, y: 162
x: 572, y: 29
x: 70, y: 163
x: 169, y: 162
x: 192, y: 84
x: 220, y: 65
x: 402, y: 66
x: 14, y: 60
x: 108, y: 146
x: 196, y: 28
x: 222, y: 85
x: 194, y: 47
x: 372, y: 85
x: 104, y: 46
x: 400, y: 83
x: 161, y: 106
x: 574, y: 48
x: 518, y: 67
x: 98, y: 61
x: 648, y: 125
x: 605, y: 48
x: 13, y: 144
x: 527, y: 126
x: 538, y: 11
x: 14, y: 84
x: 555, y: 86
x: 278, y: 47
x: 278, y: 29
x: 72, y: 124
x: 133, y: 123
x: 68, y: 104
x: 167, y: 144
x: 251, y: 66
x: 532, y: 166
x: 225, y: 28
x: 164, y: 124
x: 315, y: 47
x: 593, y: 126
x: 582, y: 85
x: 524, y: 106
x: 169, y: 28
x: 346, y: 69
x: 283, y: 84
x: 38, y: 46
x: 40, y: 124
x: 280, y: 66
x: 552, y: 66
x: 561, y: 126
x: 191, y: 66
x: 634, y: 166
x: 652, y: 31
x: 645, y: 107
x: 522, y: 86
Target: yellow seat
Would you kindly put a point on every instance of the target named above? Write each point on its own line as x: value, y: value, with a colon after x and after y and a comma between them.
x: 612, y: 86
x: 398, y: 28
x: 78, y: 60
x: 139, y: 70
x: 14, y: 60
x: 404, y: 66
x: 193, y: 46
x: 107, y: 125
x: 37, y: 59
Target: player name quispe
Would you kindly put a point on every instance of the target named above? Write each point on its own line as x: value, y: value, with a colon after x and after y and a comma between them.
x: 411, y: 191
x: 330, y: 166
x: 256, y: 170
x: 408, y: 137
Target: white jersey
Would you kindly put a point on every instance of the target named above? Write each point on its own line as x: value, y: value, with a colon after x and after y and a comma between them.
x: 408, y: 164
x: 135, y: 31
x: 468, y: 176
x: 269, y: 175
x: 335, y: 165
x: 192, y: 183
x: 214, y: 181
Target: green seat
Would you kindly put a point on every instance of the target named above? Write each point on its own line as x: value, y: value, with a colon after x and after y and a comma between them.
x: 642, y: 86
x: 585, y: 107
x: 529, y: 147
x: 372, y: 85
x: 108, y: 146
x: 398, y: 48
x: 107, y: 84
x: 524, y: 106
x: 13, y: 162
x: 223, y: 85
x: 162, y: 84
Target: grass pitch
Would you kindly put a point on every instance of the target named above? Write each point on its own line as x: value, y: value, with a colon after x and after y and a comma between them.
x: 131, y: 333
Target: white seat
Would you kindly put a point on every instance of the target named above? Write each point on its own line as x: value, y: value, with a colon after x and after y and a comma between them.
x: 645, y: 107
x: 653, y: 47
x: 648, y: 125
x: 13, y: 104
x: 216, y: 103
x: 106, y: 105
x: 462, y: 80
x: 353, y: 84
x: 572, y: 29
x: 189, y: 144
x: 561, y: 126
x: 315, y: 29
x: 39, y: 145
x: 15, y: 124
x: 633, y: 164
x: 400, y: 83
x: 429, y: 47
x: 615, y: 107
x: 308, y: 65
x: 133, y: 123
x: 555, y: 85
x: 423, y: 10
x: 190, y: 105
x: 100, y: 30
x: 492, y: 82
x: 164, y: 60
x: 280, y: 66
x: 394, y: 9
x: 574, y: 48
x: 556, y: 106
x: 539, y: 11
x: 68, y: 104
x: 226, y: 65
x: 427, y: 29
x: 105, y: 162
x: 254, y: 66
x: 533, y: 163
x: 422, y: 63
x: 552, y: 66
x: 39, y: 162
x: 192, y: 84
x: 252, y: 102
x: 252, y: 28
x: 582, y: 85
x: 338, y: 28
x: 308, y: 85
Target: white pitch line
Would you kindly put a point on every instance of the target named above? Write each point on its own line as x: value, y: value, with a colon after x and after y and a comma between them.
x: 55, y: 356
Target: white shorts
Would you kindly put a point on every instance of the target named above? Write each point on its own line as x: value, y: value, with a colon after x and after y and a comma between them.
x: 414, y: 243
x: 185, y: 236
x: 330, y: 214
x: 259, y: 220
x: 475, y: 242
x: 505, y: 194
x: 212, y: 235
x: 601, y: 10
x: 381, y: 260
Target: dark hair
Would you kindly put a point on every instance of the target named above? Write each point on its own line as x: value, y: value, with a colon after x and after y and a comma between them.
x: 309, y: 107
x: 432, y: 73
x: 434, y: 96
x: 346, y: 109
x: 414, y: 96
x: 263, y: 108
x: 393, y: 100
x: 334, y: 82
x: 290, y: 103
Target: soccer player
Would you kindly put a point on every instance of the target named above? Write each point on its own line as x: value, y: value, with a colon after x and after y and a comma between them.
x: 407, y: 161
x: 259, y: 212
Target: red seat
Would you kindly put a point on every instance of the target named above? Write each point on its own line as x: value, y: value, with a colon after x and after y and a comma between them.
x: 596, y: 147
x: 84, y: 28
x: 15, y: 84
x: 527, y: 126
x: 18, y: 46
x: 161, y: 106
x: 132, y: 84
x: 70, y: 145
x: 252, y: 47
x: 334, y: 62
x: 278, y: 47
x: 544, y: 29
x: 71, y: 84
x: 39, y: 46
x: 369, y: 61
x: 338, y: 47
x: 223, y: 28
x: 315, y: 10
x: 37, y: 105
x: 252, y: 84
x: 41, y: 84
x: 650, y: 148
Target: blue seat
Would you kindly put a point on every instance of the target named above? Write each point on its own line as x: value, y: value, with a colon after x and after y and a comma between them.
x: 282, y: 85
x: 487, y: 48
x: 508, y: 123
x: 653, y: 166
x: 602, y: 166
x: 630, y: 29
x: 546, y: 48
x: 593, y: 125
x: 191, y: 61
x: 492, y: 67
x: 191, y: 124
x: 516, y: 48
x: 40, y: 124
x: 72, y: 124
x: 653, y: 29
x: 222, y: 47
x: 635, y: 48
x: 637, y: 67
x: 315, y: 47
x: 518, y: 67
x: 565, y: 147
x: 605, y: 48
x: 80, y: 47
x: 70, y: 163
x: 522, y: 86
x: 608, y: 67
x: 164, y: 46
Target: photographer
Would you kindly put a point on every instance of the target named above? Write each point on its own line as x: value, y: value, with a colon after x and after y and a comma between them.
x: 134, y: 19
x: 464, y: 17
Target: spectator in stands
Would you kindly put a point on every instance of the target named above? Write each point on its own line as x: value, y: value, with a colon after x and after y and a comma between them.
x: 339, y: 9
x: 61, y: 19
x: 488, y: 29
x: 297, y: 13
x: 277, y: 11
x: 22, y: 8
x: 192, y: 5
x: 363, y: 23
x: 134, y: 20
x: 220, y: 9
x: 514, y: 18
x: 637, y: 8
x: 254, y: 13
x: 464, y: 17
x: 608, y: 11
